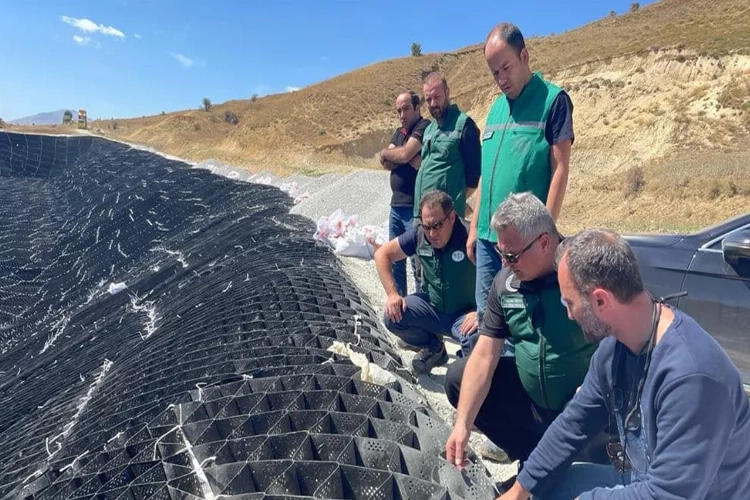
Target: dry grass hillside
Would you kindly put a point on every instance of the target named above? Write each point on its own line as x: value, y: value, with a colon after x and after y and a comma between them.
x: 662, y: 115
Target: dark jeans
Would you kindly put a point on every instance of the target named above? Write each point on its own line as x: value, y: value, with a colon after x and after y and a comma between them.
x: 400, y: 221
x: 423, y: 326
x: 506, y: 416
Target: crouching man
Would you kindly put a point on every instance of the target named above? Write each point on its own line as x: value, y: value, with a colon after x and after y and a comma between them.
x: 446, y: 307
x: 513, y: 400
x: 681, y: 413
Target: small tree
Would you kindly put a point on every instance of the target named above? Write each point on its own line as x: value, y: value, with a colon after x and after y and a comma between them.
x: 612, y: 13
x: 206, y: 104
x: 67, y: 117
x: 254, y: 98
x: 2, y: 123
x: 634, y: 6
x: 416, y: 49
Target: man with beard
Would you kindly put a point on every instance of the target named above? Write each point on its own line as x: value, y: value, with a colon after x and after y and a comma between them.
x: 682, y: 418
x: 513, y: 400
x: 451, y: 151
x: 402, y: 157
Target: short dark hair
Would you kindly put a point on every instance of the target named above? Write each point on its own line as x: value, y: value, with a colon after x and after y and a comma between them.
x: 508, y: 33
x: 597, y: 258
x: 436, y: 198
x: 415, y: 100
x: 436, y: 75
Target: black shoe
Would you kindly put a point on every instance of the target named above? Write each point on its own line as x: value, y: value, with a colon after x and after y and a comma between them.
x: 426, y: 360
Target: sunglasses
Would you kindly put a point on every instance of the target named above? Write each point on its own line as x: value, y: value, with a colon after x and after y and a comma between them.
x: 512, y: 258
x: 436, y: 226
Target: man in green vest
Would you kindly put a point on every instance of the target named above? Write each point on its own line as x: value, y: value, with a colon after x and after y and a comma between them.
x: 513, y: 399
x: 451, y: 151
x: 525, y: 146
x: 446, y: 306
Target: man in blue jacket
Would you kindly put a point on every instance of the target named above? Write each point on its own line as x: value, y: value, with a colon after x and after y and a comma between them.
x: 682, y: 416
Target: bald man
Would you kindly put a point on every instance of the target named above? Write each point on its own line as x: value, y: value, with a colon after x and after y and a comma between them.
x: 451, y: 154
x: 525, y: 145
x: 403, y: 158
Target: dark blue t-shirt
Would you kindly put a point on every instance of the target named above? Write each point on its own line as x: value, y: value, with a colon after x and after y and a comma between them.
x: 694, y: 439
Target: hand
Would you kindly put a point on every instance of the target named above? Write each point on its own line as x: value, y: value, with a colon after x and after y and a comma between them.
x: 470, y: 323
x: 516, y: 492
x: 456, y: 445
x: 471, y: 245
x: 394, y: 307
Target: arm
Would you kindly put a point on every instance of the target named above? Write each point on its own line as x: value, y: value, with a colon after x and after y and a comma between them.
x: 471, y: 241
x: 416, y: 162
x: 475, y: 385
x: 471, y: 151
x: 559, y: 163
x: 584, y: 417
x: 560, y: 135
x: 690, y: 441
x: 402, y: 154
x: 385, y: 256
x: 385, y: 163
x: 477, y: 377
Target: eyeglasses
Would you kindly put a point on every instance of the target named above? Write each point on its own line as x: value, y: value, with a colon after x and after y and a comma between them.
x: 512, y: 258
x: 436, y: 226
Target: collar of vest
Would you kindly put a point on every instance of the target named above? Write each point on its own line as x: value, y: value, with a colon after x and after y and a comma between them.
x: 511, y: 284
x: 536, y: 79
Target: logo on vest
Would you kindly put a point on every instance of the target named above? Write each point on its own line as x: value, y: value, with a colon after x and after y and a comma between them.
x: 458, y: 256
x: 509, y: 283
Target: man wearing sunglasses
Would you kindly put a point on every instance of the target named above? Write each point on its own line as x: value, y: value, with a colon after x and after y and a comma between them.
x: 446, y: 306
x: 513, y: 399
x: 682, y: 418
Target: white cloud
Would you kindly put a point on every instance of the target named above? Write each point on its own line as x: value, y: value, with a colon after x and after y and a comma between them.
x: 292, y: 89
x: 89, y: 26
x: 86, y: 40
x: 137, y: 36
x: 182, y: 59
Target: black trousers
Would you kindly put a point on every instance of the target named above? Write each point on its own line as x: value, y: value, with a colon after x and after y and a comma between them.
x: 508, y: 416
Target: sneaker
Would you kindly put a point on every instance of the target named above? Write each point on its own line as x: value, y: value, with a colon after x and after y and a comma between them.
x: 406, y: 346
x: 426, y: 360
x: 491, y: 451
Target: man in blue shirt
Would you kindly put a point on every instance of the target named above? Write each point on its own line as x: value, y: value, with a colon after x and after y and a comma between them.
x: 682, y: 416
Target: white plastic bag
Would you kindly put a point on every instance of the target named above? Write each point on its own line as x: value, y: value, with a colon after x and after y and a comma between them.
x: 346, y: 238
x: 370, y: 372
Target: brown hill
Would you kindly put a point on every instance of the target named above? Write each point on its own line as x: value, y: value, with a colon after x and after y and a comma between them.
x: 662, y: 115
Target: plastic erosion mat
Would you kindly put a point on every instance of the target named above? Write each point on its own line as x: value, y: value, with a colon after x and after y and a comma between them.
x: 165, y: 334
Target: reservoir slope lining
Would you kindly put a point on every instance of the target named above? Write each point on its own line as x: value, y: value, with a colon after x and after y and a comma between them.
x: 164, y: 335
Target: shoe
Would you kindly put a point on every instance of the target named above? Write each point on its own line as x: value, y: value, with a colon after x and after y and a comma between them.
x: 491, y: 451
x: 426, y: 360
x: 406, y: 346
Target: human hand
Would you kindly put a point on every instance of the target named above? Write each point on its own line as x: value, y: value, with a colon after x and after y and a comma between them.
x: 471, y: 245
x: 456, y: 445
x: 470, y: 323
x: 394, y: 307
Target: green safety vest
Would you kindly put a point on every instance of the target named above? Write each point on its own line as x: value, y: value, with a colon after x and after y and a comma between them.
x: 552, y: 356
x: 442, y: 164
x: 515, y: 151
x: 448, y: 275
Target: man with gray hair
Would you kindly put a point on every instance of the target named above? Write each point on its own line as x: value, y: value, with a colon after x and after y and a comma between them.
x: 682, y: 418
x: 513, y: 400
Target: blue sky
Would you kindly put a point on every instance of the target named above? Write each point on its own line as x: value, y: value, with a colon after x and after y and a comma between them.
x: 124, y: 58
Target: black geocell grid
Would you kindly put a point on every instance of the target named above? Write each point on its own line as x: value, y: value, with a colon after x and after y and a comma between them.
x: 208, y: 377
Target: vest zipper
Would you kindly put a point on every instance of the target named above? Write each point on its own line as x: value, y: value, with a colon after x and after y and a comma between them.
x: 541, y: 370
x: 494, y: 167
x: 442, y: 279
